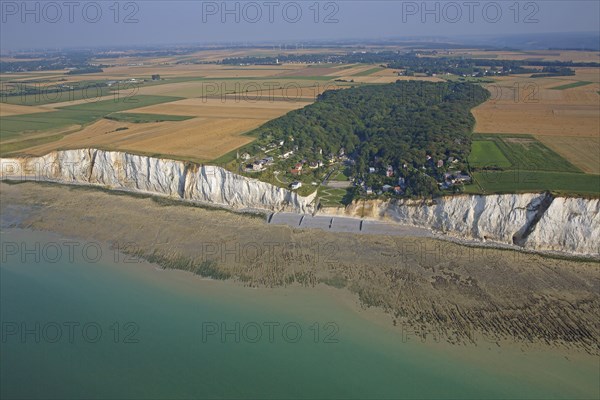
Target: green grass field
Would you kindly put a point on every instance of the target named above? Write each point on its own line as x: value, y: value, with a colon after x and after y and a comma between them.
x: 571, y: 85
x: 520, y: 163
x: 331, y: 197
x: 486, y: 153
x: 528, y: 181
x: 369, y: 71
x: 523, y: 152
x: 138, y: 118
x: 45, y: 97
x: 124, y: 103
x: 340, y: 176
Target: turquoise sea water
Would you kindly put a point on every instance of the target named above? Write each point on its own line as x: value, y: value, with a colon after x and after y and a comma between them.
x: 169, y: 334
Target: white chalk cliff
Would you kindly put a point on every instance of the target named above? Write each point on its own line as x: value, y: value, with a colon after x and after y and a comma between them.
x: 536, y: 221
x: 157, y: 176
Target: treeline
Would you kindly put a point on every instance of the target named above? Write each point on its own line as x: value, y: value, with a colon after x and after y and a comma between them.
x: 75, y: 60
x: 415, y: 62
x: 85, y: 70
x: 554, y: 71
x: 399, y: 124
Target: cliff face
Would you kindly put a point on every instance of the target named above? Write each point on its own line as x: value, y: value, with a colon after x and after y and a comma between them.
x: 175, y: 179
x: 533, y: 221
x: 569, y: 224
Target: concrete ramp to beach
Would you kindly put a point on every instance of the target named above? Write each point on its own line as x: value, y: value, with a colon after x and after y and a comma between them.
x: 345, y: 224
x: 290, y: 219
x: 319, y: 222
x: 385, y: 228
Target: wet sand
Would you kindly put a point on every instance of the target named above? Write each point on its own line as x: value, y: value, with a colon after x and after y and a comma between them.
x: 461, y: 294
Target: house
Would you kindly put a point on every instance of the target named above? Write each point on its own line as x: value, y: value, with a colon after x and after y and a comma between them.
x: 245, y: 156
x: 463, y: 178
x: 445, y: 185
x: 313, y: 165
x: 287, y: 154
x: 440, y: 163
x: 371, y: 170
x: 402, y: 182
x: 386, y: 188
x: 397, y: 190
x: 257, y: 166
x: 296, y: 185
x: 369, y: 190
x: 298, y: 166
x: 389, y: 172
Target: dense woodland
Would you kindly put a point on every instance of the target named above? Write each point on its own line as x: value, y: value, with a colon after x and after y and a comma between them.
x: 399, y: 124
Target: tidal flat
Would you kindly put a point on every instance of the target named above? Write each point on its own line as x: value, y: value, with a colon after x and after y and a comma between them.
x: 468, y: 303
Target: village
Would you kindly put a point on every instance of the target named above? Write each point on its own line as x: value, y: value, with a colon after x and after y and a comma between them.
x: 333, y: 174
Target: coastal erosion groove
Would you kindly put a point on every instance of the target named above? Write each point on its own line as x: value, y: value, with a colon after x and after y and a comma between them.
x: 533, y: 221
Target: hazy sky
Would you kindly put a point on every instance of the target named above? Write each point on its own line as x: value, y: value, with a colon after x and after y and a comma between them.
x: 66, y: 23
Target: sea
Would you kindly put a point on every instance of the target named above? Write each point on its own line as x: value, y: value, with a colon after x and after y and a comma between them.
x: 80, y: 320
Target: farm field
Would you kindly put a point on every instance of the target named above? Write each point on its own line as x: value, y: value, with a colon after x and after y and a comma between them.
x: 542, y: 55
x: 487, y: 153
x: 523, y: 152
x: 197, y: 139
x: 86, y: 93
x: 139, y: 118
x: 250, y: 88
x: 521, y: 163
x: 212, y: 105
x: 66, y: 118
x: 216, y: 108
x: 583, y: 152
x: 571, y: 85
x: 536, y: 108
x: 202, y: 111
x: 533, y: 181
x: 561, y: 112
x: 17, y: 109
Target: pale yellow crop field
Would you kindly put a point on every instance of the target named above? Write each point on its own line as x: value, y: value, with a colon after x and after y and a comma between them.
x: 197, y: 138
x: 583, y: 152
x: 566, y: 120
x: 7, y: 109
x: 216, y: 108
x: 244, y: 88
